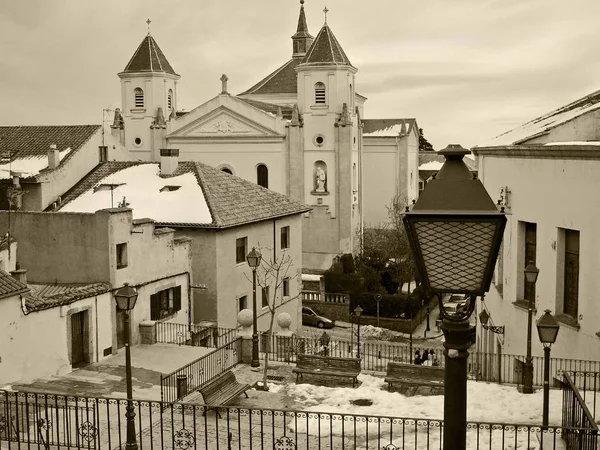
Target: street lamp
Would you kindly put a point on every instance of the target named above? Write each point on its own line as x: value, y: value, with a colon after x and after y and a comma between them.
x: 531, y: 275
x: 547, y: 327
x: 484, y: 317
x: 378, y: 299
x: 357, y: 312
x: 455, y: 231
x: 126, y: 297
x: 253, y: 259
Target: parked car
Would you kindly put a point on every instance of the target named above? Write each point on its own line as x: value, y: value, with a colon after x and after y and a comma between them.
x: 309, y: 317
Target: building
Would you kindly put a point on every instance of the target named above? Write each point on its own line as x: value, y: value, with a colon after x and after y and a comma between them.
x: 71, y: 263
x: 543, y: 173
x: 40, y: 163
x: 224, y: 216
x: 300, y: 131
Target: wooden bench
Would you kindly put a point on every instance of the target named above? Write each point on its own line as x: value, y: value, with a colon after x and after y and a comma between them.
x: 327, y: 366
x: 413, y: 376
x: 222, y: 389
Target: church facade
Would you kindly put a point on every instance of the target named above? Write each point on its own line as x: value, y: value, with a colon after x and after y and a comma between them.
x: 300, y: 131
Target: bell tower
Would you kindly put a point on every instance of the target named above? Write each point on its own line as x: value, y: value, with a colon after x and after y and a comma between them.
x: 148, y: 99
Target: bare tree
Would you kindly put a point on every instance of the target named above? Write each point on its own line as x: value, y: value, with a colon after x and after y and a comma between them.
x: 270, y: 276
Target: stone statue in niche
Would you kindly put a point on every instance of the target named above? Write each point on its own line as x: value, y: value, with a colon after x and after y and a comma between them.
x: 320, y: 179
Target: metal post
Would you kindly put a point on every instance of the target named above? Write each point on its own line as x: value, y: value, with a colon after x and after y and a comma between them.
x: 546, y: 385
x: 351, y: 349
x: 528, y: 368
x: 377, y: 299
x: 456, y: 336
x: 427, y: 327
x: 255, y: 361
x: 358, y: 339
x: 410, y: 356
x: 130, y: 409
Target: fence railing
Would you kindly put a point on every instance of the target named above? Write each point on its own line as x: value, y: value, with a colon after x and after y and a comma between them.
x: 194, y: 335
x: 178, y: 384
x: 29, y: 420
x: 576, y: 414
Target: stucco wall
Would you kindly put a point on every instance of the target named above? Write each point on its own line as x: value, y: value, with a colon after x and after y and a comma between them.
x: 320, y: 238
x: 549, y: 192
x: 380, y: 178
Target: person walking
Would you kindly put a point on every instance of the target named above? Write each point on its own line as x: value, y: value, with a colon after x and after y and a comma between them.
x: 417, y: 359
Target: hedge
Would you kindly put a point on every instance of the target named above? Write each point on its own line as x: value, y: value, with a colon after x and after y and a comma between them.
x: 393, y: 306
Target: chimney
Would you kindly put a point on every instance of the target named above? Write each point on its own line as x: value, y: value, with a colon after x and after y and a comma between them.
x: 20, y: 275
x: 53, y: 157
x: 169, y: 160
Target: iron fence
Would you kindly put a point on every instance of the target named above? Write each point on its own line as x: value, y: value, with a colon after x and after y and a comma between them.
x: 193, y: 334
x: 52, y: 421
x: 176, y: 385
x: 582, y: 432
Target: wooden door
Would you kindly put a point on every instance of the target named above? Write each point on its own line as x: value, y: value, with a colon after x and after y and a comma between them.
x: 77, y: 339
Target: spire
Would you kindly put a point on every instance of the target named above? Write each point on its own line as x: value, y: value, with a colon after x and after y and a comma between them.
x: 326, y: 50
x: 302, y: 39
x: 149, y: 58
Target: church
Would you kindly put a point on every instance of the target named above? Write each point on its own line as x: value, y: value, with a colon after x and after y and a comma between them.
x: 300, y: 131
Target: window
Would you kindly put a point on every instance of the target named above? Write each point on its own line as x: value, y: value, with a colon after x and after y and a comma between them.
x: 121, y: 255
x: 286, y: 287
x: 421, y: 186
x: 241, y: 245
x: 320, y: 93
x: 571, y: 273
x: 265, y: 297
x: 285, y: 237
x: 102, y: 153
x: 262, y: 175
x: 170, y: 100
x: 242, y: 302
x: 226, y: 170
x: 138, y: 98
x: 530, y: 251
x: 499, y: 272
x: 165, y: 303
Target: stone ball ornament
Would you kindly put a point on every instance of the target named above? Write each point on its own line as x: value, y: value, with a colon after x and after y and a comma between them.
x: 284, y: 320
x: 244, y: 317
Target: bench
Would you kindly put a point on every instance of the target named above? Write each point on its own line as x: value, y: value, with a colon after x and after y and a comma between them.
x: 414, y: 376
x: 222, y: 389
x: 327, y: 366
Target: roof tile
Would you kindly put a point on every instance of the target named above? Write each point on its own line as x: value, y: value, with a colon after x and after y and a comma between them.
x: 10, y: 286
x: 46, y: 296
x: 326, y: 50
x: 149, y: 58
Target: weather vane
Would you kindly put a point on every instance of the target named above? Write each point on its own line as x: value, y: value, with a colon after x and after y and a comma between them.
x: 325, y: 11
x: 148, y: 22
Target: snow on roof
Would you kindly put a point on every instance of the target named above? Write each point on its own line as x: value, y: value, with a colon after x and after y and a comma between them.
x: 393, y: 130
x: 28, y: 167
x: 431, y: 165
x: 141, y: 187
x: 546, y: 122
x: 310, y: 277
x: 574, y: 143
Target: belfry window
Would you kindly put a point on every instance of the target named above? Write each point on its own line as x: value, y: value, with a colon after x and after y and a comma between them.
x: 138, y: 94
x: 320, y: 93
x: 170, y: 100
x: 262, y: 175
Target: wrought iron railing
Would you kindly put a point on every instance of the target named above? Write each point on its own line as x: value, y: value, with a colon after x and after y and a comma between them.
x: 588, y: 384
x: 29, y: 420
x: 583, y: 431
x: 178, y: 384
x: 194, y: 335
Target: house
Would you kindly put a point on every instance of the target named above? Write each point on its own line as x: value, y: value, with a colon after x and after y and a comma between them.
x: 224, y: 217
x: 543, y: 173
x: 39, y: 163
x: 300, y: 131
x: 71, y: 264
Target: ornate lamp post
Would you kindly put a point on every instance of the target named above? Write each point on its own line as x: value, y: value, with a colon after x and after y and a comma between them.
x: 547, y: 327
x: 357, y: 312
x: 484, y: 317
x: 531, y: 275
x: 455, y: 231
x: 126, y: 297
x: 253, y: 258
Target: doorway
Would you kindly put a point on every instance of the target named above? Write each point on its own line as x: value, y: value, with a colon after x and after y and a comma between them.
x: 79, y: 334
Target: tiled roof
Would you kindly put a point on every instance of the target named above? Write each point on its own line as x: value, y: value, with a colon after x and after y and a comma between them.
x: 326, y: 50
x: 281, y: 81
x: 10, y: 286
x: 231, y: 200
x: 286, y: 111
x: 149, y: 58
x: 387, y: 127
x: 543, y: 124
x: 24, y: 142
x: 45, y: 296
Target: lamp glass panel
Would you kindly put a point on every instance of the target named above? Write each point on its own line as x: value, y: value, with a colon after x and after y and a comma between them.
x: 547, y: 334
x: 455, y: 253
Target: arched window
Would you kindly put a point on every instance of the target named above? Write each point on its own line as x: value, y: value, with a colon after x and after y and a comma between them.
x: 170, y: 100
x: 227, y: 170
x: 320, y: 93
x: 139, y: 97
x: 224, y: 167
x: 262, y: 175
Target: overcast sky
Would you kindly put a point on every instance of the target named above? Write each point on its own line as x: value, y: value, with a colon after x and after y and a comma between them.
x: 467, y: 70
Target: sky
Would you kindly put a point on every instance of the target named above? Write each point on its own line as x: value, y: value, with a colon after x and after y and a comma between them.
x: 467, y: 70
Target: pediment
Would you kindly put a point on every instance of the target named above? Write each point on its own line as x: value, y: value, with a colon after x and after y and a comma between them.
x: 223, y: 122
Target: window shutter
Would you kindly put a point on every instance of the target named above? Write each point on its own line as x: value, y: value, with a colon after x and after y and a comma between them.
x: 177, y: 298
x: 154, y: 307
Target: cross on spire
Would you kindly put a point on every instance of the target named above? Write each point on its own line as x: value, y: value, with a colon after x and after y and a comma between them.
x: 148, y: 22
x: 325, y: 11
